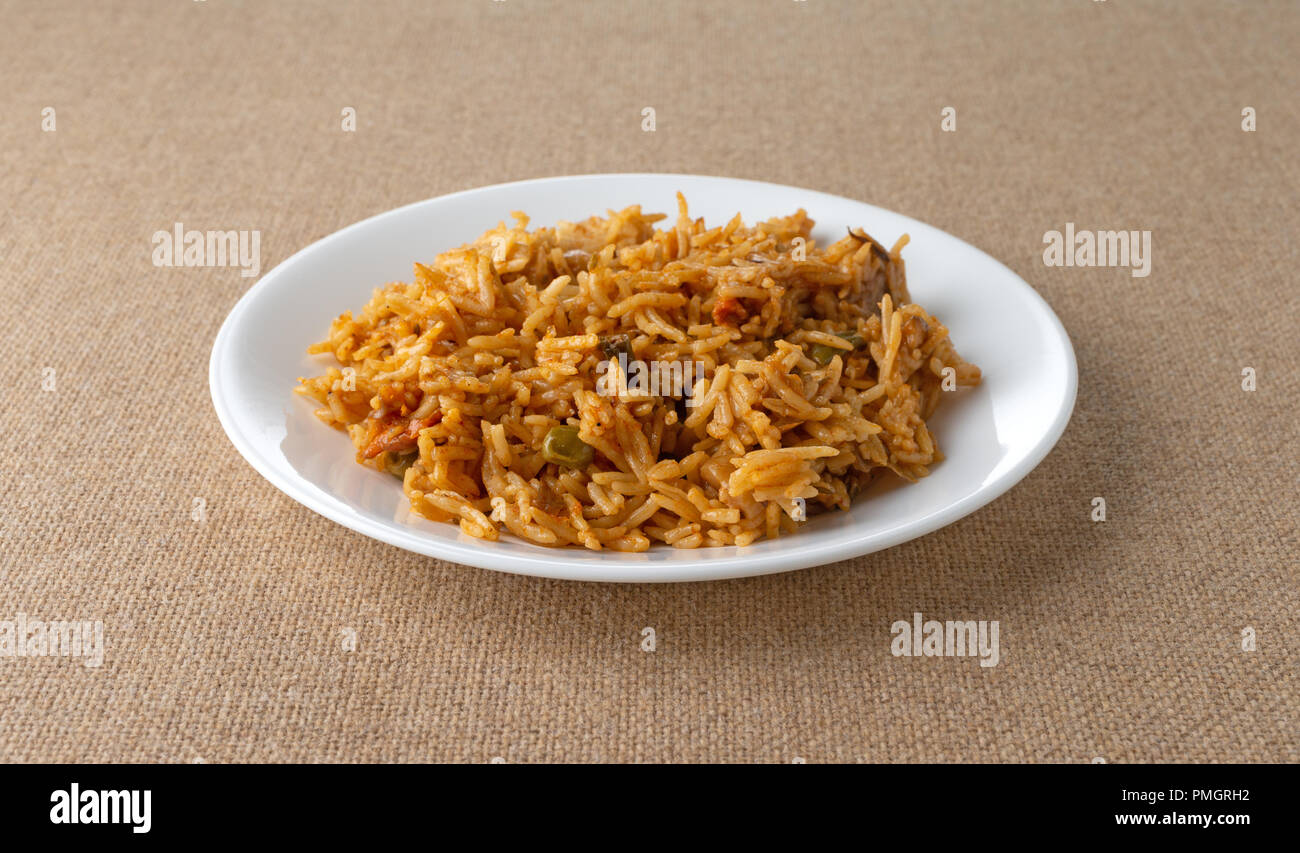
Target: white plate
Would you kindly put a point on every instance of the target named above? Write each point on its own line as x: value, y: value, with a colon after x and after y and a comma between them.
x: 992, y: 435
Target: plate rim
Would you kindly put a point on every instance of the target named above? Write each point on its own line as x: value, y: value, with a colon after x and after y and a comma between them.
x: 540, y: 565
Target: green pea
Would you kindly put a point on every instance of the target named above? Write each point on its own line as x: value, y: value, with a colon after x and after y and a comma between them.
x: 822, y: 354
x: 563, y: 447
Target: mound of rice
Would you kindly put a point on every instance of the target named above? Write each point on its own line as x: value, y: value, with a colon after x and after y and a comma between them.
x: 814, y: 372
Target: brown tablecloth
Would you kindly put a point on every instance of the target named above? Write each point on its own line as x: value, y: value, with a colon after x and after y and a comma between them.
x: 223, y: 637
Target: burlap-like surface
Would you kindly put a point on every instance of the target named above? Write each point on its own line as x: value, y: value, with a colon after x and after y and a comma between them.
x: 1120, y: 640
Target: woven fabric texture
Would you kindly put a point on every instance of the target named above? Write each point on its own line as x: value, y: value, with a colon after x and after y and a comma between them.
x: 225, y: 621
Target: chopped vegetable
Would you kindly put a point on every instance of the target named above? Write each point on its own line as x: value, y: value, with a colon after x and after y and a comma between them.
x: 394, y: 434
x: 399, y: 462
x: 614, y: 345
x: 914, y: 331
x: 563, y: 447
x: 577, y: 260
x: 728, y: 311
x: 823, y: 354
